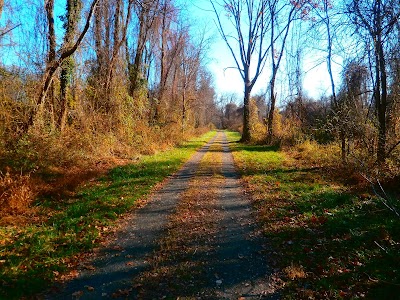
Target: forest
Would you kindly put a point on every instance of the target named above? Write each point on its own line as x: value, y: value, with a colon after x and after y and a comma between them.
x: 90, y: 86
x: 118, y: 79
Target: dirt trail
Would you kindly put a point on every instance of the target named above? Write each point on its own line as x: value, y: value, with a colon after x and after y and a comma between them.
x: 196, y: 238
x: 242, y: 265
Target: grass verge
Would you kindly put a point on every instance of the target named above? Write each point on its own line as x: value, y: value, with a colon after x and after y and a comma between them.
x: 328, y: 241
x: 32, y: 256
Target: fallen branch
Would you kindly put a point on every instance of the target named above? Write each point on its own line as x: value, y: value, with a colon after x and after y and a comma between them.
x: 385, y: 198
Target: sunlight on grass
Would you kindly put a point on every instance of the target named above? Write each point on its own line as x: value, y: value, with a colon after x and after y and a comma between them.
x: 344, y: 244
x: 31, y: 257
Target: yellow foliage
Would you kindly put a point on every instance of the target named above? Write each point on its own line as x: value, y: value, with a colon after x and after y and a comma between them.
x: 317, y: 154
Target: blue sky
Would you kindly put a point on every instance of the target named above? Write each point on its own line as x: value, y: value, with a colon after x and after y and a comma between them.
x: 201, y: 17
x: 316, y: 80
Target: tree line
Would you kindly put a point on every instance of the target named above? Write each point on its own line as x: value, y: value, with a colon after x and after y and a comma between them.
x: 133, y: 71
x: 361, y: 110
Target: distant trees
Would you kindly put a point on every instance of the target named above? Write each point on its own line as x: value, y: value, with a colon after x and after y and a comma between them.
x: 133, y: 70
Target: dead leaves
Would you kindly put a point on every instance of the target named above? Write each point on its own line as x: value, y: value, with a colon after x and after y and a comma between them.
x: 295, y: 272
x: 121, y: 293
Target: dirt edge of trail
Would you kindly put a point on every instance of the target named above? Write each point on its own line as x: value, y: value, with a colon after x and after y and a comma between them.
x: 196, y: 238
x: 124, y: 254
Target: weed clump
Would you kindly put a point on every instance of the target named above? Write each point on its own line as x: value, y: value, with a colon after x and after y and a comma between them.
x: 16, y: 193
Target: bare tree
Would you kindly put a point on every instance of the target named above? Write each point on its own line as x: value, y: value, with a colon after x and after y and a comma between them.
x: 172, y: 37
x: 251, y: 22
x: 146, y: 12
x: 375, y: 22
x: 110, y: 31
x: 325, y: 24
x: 52, y: 67
x: 282, y: 15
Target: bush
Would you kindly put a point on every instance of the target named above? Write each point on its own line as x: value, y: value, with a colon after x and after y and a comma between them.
x: 16, y: 194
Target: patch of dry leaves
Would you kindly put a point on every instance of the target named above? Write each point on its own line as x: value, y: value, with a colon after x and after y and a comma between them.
x: 179, y: 267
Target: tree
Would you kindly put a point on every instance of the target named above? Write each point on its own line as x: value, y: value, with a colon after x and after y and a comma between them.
x: 206, y: 111
x: 51, y: 54
x: 71, y: 26
x: 350, y: 109
x: 146, y: 12
x: 53, y: 66
x: 321, y: 13
x: 251, y: 22
x: 111, y: 22
x: 172, y: 37
x: 282, y: 15
x: 375, y: 21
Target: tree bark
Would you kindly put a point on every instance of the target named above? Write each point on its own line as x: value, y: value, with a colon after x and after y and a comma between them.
x: 382, y: 102
x: 271, y: 110
x: 246, y: 135
x: 52, y: 68
x: 381, y: 84
x: 71, y: 27
x: 51, y: 57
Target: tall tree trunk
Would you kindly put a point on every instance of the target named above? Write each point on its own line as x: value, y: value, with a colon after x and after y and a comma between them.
x: 381, y: 98
x: 115, y: 50
x: 134, y: 72
x: 381, y: 84
x: 272, y: 109
x: 183, y: 108
x: 276, y: 61
x: 51, y: 69
x: 67, y: 66
x: 51, y: 57
x: 246, y: 135
x: 163, y: 65
x: 342, y: 133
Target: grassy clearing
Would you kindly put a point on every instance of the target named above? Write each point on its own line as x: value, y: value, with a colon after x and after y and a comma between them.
x: 34, y: 255
x: 328, y: 241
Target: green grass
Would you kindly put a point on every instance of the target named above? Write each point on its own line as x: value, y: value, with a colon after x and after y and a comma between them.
x: 347, y: 243
x: 32, y: 256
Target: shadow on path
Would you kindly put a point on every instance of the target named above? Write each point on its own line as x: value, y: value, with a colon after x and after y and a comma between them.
x: 125, y: 258
x: 235, y: 268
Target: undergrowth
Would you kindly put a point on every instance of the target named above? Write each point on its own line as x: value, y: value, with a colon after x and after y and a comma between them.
x: 330, y: 240
x: 35, y: 254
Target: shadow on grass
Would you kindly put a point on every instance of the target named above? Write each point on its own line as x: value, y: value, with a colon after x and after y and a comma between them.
x: 34, y: 255
x: 350, y: 251
x: 347, y: 244
x: 256, y: 148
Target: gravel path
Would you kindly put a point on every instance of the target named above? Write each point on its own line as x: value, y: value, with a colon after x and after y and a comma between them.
x: 236, y: 266
x: 241, y: 266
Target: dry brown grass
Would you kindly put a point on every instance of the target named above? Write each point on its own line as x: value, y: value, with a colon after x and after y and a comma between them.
x: 16, y: 194
x: 312, y: 153
x: 295, y: 272
x: 46, y: 162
